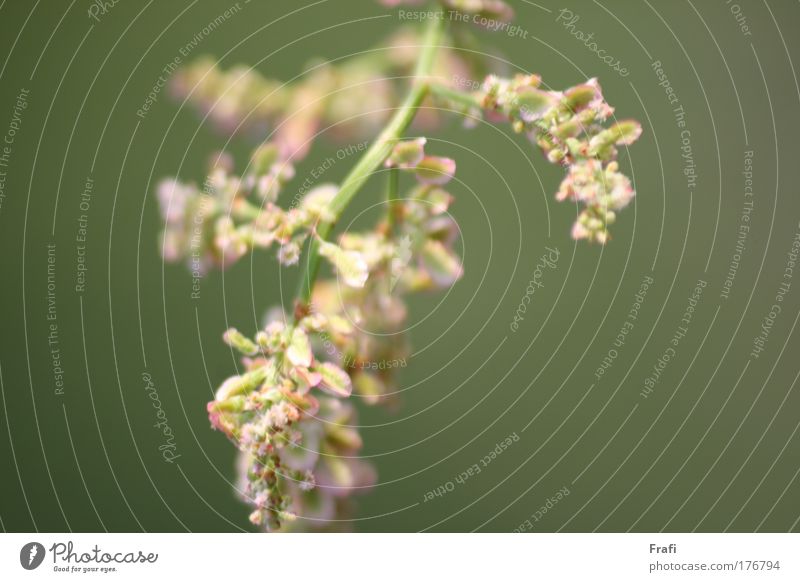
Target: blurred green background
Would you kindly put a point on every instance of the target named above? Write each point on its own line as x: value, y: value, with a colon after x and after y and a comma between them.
x: 713, y: 447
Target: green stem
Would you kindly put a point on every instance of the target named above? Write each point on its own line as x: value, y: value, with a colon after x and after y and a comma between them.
x: 455, y: 96
x: 375, y: 155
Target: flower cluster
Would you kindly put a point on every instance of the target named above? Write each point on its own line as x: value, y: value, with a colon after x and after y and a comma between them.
x: 569, y: 127
x: 233, y: 215
x: 285, y: 415
x: 350, y: 100
x: 284, y: 412
x: 288, y: 411
x: 216, y: 224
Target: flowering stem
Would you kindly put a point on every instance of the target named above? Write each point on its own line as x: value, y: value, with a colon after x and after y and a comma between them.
x: 375, y: 156
x: 455, y: 96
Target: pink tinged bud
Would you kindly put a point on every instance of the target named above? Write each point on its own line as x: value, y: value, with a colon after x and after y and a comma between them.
x: 229, y: 242
x: 218, y: 414
x: 289, y: 254
x: 622, y: 133
x: 369, y: 386
x: 262, y: 238
x: 344, y: 438
x: 580, y: 96
x: 579, y: 231
x: 435, y: 170
x: 236, y: 385
x: 438, y: 199
x: 257, y: 517
x: 335, y: 381
x: 570, y: 128
x: 305, y: 378
x: 228, y: 387
x: 407, y: 154
x: 238, y: 341
x: 350, y: 265
x: 172, y: 198
x: 213, y: 415
x: 171, y: 246
x: 443, y: 229
x: 314, y: 322
x: 317, y: 202
x: 531, y: 104
x: 443, y: 266
x: 273, y: 338
x: 233, y: 404
x: 555, y: 155
x: 626, y: 132
x: 299, y: 350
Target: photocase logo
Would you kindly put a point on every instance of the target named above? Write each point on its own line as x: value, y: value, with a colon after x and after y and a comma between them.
x: 31, y: 555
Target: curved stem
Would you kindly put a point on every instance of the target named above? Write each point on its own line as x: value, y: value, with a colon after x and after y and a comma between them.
x: 374, y: 156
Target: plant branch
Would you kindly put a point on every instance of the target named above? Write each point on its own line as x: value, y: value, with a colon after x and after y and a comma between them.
x: 455, y: 96
x: 375, y: 155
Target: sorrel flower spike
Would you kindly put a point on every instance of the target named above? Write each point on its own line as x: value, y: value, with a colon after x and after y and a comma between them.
x: 288, y: 411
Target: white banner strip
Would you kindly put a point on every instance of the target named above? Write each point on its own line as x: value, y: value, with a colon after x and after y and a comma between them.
x: 355, y: 557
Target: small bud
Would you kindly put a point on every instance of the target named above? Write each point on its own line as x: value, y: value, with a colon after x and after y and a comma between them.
x: 272, y: 338
x: 407, y: 154
x: 580, y: 96
x: 441, y: 264
x: 438, y: 199
x: 369, y: 386
x: 236, y: 385
x: 335, y: 381
x: 229, y: 241
x: 435, y: 170
x: 289, y: 253
x: 305, y: 379
x: 531, y: 104
x: 626, y: 132
x: 264, y: 158
x: 317, y: 202
x: 238, y: 341
x: 350, y: 264
x: 299, y: 350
